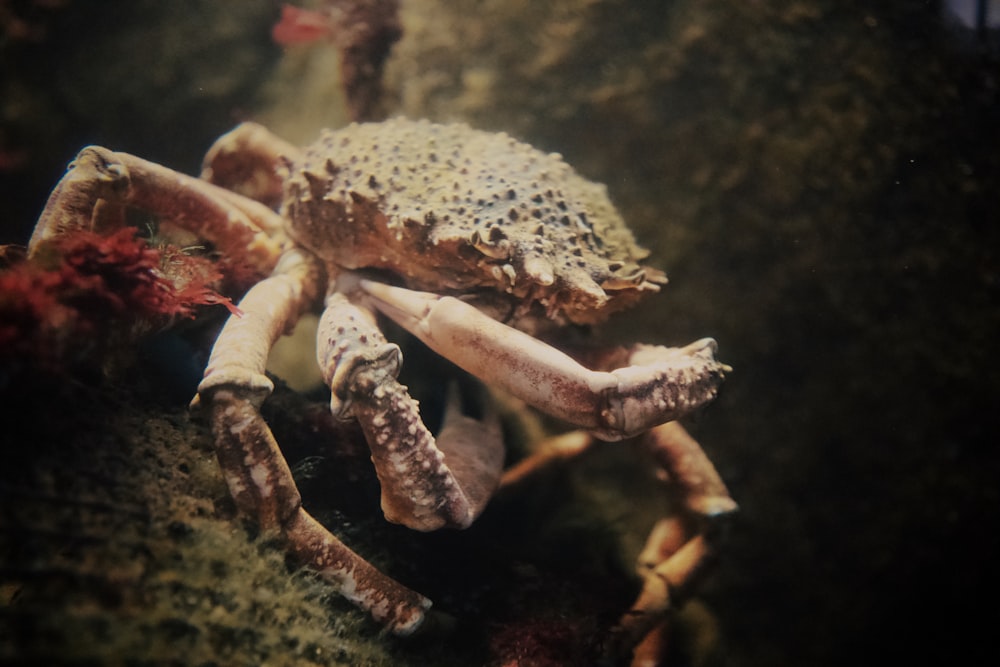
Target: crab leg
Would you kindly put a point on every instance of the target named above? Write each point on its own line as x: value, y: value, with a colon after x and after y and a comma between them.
x: 258, y: 477
x: 678, y: 548
x: 612, y: 404
x: 665, y: 587
x: 100, y: 184
x: 426, y: 484
x: 246, y: 160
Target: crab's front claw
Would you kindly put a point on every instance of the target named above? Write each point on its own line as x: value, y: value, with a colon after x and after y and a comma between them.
x: 667, y: 384
x: 664, y: 380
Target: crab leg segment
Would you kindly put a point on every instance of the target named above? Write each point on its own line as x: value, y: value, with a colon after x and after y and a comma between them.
x: 612, y: 404
x: 665, y: 586
x: 256, y: 473
x: 694, y: 478
x: 247, y: 160
x: 425, y: 484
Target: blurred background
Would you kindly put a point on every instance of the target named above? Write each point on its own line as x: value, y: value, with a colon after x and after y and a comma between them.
x: 819, y: 178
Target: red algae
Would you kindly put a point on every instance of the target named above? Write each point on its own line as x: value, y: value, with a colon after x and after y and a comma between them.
x: 300, y: 26
x: 83, y: 290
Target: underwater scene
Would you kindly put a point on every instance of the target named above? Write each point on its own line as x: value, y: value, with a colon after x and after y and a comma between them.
x: 499, y: 333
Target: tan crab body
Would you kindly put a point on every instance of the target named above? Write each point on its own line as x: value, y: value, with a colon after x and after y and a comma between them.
x: 453, y: 210
x: 457, y: 235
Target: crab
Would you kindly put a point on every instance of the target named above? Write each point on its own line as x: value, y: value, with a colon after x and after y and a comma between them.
x: 478, y: 245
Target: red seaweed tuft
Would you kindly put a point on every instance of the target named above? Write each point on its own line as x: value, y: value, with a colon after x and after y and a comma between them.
x: 363, y: 31
x: 83, y: 293
x: 300, y: 26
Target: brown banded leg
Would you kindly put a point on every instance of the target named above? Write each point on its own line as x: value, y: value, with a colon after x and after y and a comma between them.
x: 427, y: 482
x: 258, y: 476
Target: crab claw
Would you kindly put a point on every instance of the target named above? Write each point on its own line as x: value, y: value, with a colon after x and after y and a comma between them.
x: 612, y: 404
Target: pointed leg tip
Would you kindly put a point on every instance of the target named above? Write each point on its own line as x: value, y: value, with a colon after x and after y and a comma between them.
x: 713, y: 506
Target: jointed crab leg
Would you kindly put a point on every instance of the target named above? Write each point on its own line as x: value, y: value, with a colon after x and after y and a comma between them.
x: 256, y: 473
x: 665, y: 587
x: 245, y: 160
x: 101, y: 183
x: 425, y: 484
x: 678, y: 548
x: 612, y: 404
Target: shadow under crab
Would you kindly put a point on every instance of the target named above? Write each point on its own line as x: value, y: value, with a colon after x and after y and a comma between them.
x: 476, y: 244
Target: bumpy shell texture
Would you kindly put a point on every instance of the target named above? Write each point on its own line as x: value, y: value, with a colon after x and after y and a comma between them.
x: 453, y: 210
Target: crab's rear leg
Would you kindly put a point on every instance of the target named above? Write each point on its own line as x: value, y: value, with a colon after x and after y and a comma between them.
x: 258, y: 477
x: 611, y: 404
x: 427, y: 482
x: 679, y: 547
